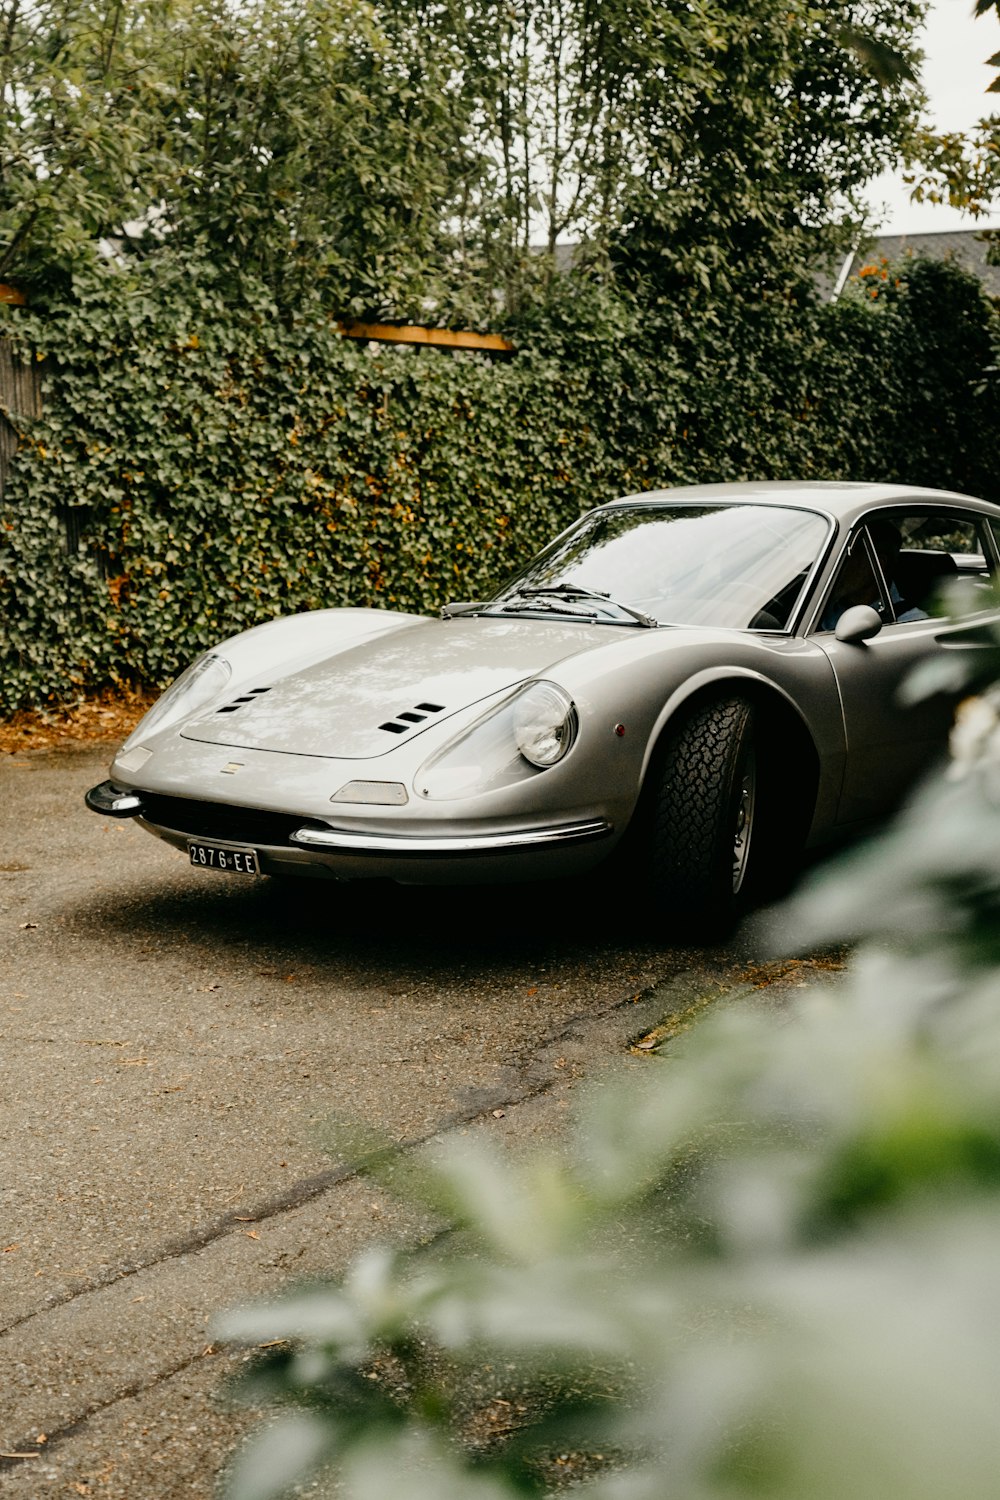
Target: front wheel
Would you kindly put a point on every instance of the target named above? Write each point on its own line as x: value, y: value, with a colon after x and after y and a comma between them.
x: 707, y: 839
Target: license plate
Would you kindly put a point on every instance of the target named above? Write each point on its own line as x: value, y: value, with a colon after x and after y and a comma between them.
x: 233, y: 861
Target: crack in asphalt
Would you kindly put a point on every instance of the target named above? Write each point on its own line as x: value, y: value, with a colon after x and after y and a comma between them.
x: 14, y: 1460
x: 299, y: 1193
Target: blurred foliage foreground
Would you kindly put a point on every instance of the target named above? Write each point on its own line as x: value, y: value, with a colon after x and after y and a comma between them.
x: 768, y: 1267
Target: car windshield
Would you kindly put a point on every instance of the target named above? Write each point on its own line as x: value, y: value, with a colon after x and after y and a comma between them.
x: 735, y: 565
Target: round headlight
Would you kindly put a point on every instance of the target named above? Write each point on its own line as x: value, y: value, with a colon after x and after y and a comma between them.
x: 544, y: 723
x: 200, y: 683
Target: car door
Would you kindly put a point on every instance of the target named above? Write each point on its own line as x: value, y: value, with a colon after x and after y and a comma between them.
x: 890, y: 742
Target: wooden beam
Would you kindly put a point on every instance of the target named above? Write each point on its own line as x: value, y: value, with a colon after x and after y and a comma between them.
x: 432, y: 338
x: 11, y: 294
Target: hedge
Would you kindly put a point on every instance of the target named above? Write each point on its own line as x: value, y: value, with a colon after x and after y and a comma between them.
x: 203, y: 463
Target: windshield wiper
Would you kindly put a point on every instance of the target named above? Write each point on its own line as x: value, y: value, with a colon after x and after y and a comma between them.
x: 570, y: 591
x: 534, y: 600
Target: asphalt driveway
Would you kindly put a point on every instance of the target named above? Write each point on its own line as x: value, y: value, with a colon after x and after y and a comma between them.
x: 175, y: 1046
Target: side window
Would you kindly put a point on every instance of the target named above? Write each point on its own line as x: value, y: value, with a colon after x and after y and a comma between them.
x: 935, y: 533
x: 856, y: 583
x: 944, y: 565
x: 931, y: 563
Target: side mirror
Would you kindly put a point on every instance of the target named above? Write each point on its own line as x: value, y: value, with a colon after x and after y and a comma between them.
x: 858, y: 624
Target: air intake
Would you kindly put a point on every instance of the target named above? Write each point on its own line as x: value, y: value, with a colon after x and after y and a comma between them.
x: 242, y: 701
x: 409, y: 718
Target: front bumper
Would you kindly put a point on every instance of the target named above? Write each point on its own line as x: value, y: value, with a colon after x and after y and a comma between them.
x: 464, y: 843
x: 289, y: 845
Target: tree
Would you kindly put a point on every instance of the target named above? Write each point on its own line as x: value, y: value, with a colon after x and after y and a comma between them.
x: 305, y: 142
x: 758, y: 178
x: 293, y: 141
x: 963, y: 170
x: 429, y: 155
x: 983, y: 8
x: 695, y: 140
x: 73, y: 143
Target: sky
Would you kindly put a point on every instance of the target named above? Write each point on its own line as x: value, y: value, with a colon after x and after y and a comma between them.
x: 955, y: 76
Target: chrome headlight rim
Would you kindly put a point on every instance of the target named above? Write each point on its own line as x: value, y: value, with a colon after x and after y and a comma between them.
x: 545, y: 723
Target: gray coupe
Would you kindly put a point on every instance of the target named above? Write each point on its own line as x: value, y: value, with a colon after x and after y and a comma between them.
x: 698, y: 681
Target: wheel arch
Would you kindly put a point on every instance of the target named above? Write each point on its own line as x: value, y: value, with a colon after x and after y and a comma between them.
x: 778, y: 718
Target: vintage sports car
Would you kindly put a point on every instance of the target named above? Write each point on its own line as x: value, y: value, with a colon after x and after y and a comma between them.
x: 699, y: 681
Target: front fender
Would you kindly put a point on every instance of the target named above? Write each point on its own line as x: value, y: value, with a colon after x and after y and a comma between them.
x: 640, y: 688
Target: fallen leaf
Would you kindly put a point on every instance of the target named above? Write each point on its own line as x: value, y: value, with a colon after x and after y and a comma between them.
x: 8, y: 1248
x: 251, y: 1234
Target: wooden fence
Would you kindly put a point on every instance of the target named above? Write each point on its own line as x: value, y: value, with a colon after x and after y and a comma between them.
x: 20, y: 394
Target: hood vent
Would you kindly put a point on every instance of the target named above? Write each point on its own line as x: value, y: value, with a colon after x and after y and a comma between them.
x: 410, y: 717
x: 237, y: 703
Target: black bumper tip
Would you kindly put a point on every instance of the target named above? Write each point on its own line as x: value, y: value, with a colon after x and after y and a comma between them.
x: 113, y: 801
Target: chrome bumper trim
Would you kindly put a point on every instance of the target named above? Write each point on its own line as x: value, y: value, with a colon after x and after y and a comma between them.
x: 474, y: 843
x: 113, y: 801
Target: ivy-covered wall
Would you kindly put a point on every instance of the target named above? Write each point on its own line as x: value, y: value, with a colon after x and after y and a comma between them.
x: 203, y: 463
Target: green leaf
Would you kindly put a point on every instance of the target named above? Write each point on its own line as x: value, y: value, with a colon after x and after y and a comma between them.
x: 273, y: 1462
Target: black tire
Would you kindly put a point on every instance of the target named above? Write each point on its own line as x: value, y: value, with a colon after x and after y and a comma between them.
x: 707, y: 839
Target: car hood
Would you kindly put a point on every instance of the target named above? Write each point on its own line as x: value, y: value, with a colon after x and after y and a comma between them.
x: 367, y: 699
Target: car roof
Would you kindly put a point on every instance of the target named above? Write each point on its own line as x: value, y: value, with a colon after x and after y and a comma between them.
x: 842, y: 499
